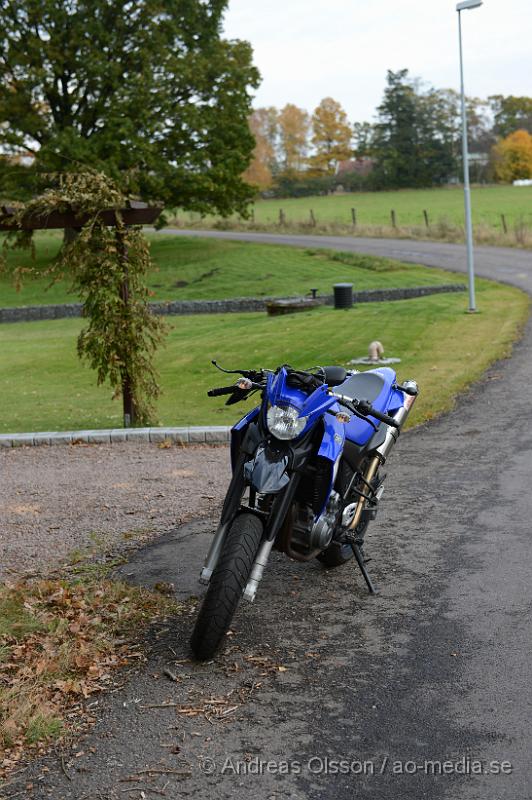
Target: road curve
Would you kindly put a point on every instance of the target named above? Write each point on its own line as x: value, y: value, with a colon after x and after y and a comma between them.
x: 506, y: 264
x: 433, y: 671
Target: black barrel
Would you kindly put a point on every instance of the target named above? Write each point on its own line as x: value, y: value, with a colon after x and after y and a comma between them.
x: 343, y: 295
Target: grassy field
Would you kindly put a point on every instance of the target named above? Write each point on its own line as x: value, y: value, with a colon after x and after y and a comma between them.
x: 373, y: 208
x: 444, y: 207
x: 189, y: 269
x: 44, y: 387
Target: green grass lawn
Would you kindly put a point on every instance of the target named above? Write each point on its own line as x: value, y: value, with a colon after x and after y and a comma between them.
x: 44, y: 387
x: 190, y: 268
x: 373, y: 208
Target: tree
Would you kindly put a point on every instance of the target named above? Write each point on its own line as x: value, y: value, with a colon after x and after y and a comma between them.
x: 437, y: 126
x: 513, y: 157
x: 263, y: 124
x: 415, y: 139
x: 395, y: 141
x: 147, y: 91
x: 331, y: 137
x: 363, y: 133
x: 511, y: 114
x: 294, y: 127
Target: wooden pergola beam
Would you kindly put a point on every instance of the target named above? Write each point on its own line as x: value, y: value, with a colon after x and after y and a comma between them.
x: 135, y: 213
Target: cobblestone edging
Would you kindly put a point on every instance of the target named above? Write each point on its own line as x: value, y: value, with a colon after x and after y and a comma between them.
x: 234, y: 305
x: 209, y: 434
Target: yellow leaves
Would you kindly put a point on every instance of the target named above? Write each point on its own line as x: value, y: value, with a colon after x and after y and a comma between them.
x: 513, y: 157
x: 331, y: 136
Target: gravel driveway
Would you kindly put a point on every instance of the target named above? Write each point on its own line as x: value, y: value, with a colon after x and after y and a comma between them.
x: 54, y: 500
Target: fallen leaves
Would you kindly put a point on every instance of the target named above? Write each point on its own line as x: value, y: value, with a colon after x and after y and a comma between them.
x: 60, y: 643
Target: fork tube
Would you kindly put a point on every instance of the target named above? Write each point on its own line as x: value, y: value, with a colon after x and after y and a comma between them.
x: 279, y: 511
x: 368, y: 477
x: 214, y: 553
x: 229, y: 511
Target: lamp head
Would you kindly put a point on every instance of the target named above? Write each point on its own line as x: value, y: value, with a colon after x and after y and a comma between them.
x: 465, y: 4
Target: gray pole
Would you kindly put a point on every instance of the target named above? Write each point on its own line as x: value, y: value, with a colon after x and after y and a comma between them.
x: 467, y: 191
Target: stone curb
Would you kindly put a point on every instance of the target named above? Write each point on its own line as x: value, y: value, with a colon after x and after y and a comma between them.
x: 210, y: 434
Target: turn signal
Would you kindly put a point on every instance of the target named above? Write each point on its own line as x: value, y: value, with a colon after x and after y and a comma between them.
x: 343, y: 417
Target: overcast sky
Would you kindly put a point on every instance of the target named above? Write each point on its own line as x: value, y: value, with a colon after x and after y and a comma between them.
x: 310, y: 49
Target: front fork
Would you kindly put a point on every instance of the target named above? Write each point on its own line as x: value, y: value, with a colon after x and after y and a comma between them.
x: 273, y: 522
x: 229, y: 512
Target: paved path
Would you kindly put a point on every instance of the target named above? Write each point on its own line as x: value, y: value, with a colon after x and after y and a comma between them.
x: 435, y: 668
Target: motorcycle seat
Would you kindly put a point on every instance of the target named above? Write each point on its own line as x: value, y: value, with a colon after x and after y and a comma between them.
x: 363, y: 386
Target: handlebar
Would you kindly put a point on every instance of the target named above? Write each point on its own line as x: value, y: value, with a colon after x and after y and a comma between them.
x: 365, y: 409
x: 255, y: 380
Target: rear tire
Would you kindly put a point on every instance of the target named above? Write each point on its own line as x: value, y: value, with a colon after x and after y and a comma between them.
x: 226, y: 586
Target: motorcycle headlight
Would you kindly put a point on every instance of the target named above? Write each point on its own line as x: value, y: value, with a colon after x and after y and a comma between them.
x: 284, y: 422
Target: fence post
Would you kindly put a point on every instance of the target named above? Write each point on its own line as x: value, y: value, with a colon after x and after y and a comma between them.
x: 426, y: 217
x: 281, y: 217
x: 312, y: 218
x: 504, y: 225
x: 394, y: 223
x: 253, y: 215
x: 354, y: 217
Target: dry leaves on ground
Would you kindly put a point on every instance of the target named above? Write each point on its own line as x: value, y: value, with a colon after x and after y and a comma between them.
x: 59, y: 644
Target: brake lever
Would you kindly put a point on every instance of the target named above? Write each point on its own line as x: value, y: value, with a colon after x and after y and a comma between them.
x: 350, y: 404
x: 229, y: 371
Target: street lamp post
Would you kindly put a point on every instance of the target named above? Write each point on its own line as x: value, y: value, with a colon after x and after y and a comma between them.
x: 463, y: 6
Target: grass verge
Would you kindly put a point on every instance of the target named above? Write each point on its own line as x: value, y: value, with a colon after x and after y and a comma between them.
x: 440, y: 230
x: 60, y: 643
x: 44, y: 387
x: 198, y: 269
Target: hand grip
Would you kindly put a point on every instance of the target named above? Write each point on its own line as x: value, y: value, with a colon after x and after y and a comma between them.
x: 384, y: 418
x: 367, y: 409
x: 221, y: 390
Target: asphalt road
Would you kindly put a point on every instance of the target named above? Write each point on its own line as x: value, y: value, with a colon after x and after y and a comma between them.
x: 434, y: 669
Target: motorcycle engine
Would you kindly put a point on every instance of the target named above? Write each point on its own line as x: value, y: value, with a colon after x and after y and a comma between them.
x: 309, y: 537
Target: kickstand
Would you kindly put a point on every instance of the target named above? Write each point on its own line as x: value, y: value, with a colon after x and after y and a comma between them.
x: 357, y: 550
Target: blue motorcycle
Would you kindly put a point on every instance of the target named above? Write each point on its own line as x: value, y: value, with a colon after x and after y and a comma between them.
x: 305, y: 478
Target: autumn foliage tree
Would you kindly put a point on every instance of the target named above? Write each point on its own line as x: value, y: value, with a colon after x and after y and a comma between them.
x: 263, y: 124
x: 513, y: 157
x: 294, y: 129
x: 331, y: 137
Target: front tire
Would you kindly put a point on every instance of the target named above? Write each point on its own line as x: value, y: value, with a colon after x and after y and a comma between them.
x: 227, y: 583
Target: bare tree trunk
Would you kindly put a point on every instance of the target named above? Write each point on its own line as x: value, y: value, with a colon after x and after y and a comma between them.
x: 127, y: 388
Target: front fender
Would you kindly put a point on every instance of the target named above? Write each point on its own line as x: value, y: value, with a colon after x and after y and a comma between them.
x: 267, y: 471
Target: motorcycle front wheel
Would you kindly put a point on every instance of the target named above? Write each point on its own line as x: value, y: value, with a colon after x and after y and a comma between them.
x: 226, y: 586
